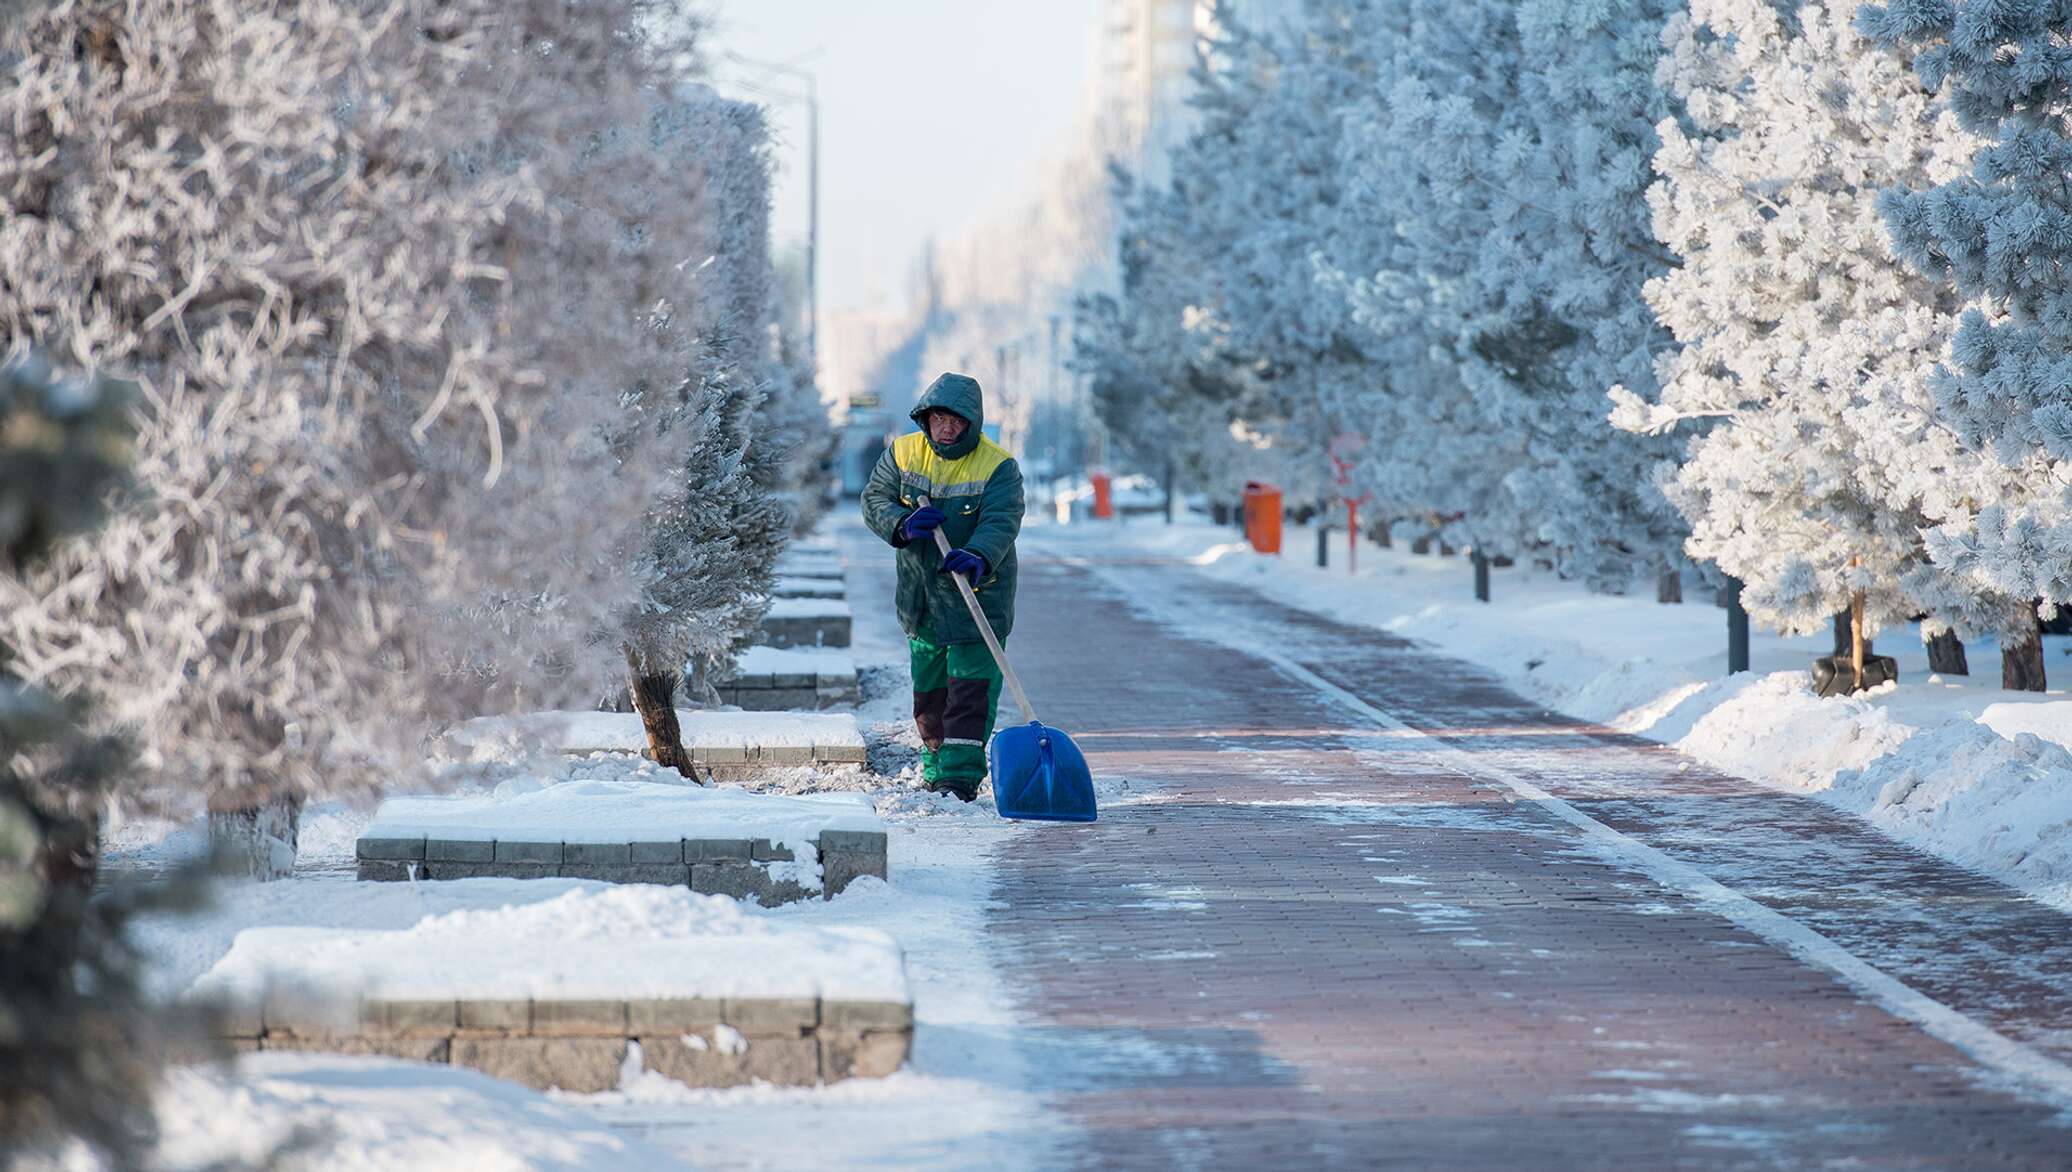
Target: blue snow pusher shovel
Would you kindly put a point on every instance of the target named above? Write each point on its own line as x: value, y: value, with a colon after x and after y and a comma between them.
x: 1039, y: 775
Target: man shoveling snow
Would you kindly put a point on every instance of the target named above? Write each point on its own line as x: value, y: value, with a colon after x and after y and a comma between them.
x: 973, y: 491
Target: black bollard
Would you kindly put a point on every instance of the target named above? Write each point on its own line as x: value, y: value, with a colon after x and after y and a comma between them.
x: 1323, y: 547
x: 1737, y: 629
x: 1481, y: 576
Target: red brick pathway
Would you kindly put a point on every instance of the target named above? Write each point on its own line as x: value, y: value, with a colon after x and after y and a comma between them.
x: 1317, y: 945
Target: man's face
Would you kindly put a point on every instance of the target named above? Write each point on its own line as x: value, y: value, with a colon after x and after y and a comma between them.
x: 946, y: 427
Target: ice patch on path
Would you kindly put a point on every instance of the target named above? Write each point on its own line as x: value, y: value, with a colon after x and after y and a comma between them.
x: 372, y: 1115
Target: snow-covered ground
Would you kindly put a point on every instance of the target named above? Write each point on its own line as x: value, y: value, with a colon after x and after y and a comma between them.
x: 1954, y: 764
x: 962, y: 1102
x: 335, y: 1113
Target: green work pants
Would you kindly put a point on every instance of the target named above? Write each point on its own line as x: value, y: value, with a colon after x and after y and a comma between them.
x: 956, y: 697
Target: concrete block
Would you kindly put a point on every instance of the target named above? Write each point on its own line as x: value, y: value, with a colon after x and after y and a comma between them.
x: 308, y: 1012
x: 870, y: 842
x: 762, y: 850
x: 376, y: 871
x: 740, y: 880
x: 490, y: 870
x: 858, y: 1016
x: 838, y: 869
x: 839, y: 754
x: 785, y: 755
x: 870, y: 1054
x: 581, y: 1065
x: 578, y: 1019
x: 389, y: 848
x: 409, y: 1019
x: 658, y: 874
x: 436, y: 1050
x: 590, y: 853
x: 787, y: 1062
x: 460, y: 850
x: 745, y: 881
x: 238, y: 1018
x: 528, y: 852
x: 778, y: 699
x: 715, y: 850
x: 655, y: 852
x: 692, y: 1058
x: 496, y: 1017
x: 720, y: 754
x: 771, y: 1016
x: 649, y: 1015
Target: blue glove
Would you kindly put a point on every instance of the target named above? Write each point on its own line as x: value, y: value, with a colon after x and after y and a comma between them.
x: 965, y: 562
x: 920, y: 523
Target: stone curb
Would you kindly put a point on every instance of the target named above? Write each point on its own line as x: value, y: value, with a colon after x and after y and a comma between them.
x: 581, y: 1045
x: 739, y: 867
x: 807, y: 631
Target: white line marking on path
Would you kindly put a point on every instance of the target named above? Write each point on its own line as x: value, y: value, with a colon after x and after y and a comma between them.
x: 2038, y: 1074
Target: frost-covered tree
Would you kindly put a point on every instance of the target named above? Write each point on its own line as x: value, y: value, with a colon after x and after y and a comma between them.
x: 1500, y: 163
x: 1221, y: 351
x: 2000, y: 236
x: 1804, y: 339
x: 376, y: 360
x: 79, y: 1044
x: 743, y: 419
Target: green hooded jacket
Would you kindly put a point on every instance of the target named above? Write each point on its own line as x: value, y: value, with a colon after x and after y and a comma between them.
x: 978, y: 486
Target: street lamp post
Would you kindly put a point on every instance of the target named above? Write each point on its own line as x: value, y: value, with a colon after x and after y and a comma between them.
x: 812, y: 101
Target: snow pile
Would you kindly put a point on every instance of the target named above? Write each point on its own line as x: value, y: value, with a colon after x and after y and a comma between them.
x: 346, y: 1114
x: 608, y: 942
x: 1774, y: 728
x: 1966, y: 792
x: 504, y: 737
x: 623, y: 811
x: 764, y: 660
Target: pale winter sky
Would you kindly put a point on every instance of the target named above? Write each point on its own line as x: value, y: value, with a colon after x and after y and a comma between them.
x: 932, y: 112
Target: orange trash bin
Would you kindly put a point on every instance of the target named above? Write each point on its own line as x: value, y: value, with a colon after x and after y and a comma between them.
x: 1104, y: 496
x: 1263, y: 516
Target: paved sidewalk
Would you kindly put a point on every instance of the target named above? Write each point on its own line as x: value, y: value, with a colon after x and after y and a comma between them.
x: 1325, y: 941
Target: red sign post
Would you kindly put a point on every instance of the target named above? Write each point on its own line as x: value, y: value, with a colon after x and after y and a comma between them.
x: 1344, y: 446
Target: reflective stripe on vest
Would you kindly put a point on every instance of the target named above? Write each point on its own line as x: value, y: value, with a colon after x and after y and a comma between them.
x: 922, y: 470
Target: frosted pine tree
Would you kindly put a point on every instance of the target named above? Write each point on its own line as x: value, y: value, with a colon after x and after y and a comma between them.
x: 1440, y: 84
x: 2000, y: 235
x: 83, y: 1044
x: 1504, y: 162
x: 1805, y: 341
x: 1561, y: 274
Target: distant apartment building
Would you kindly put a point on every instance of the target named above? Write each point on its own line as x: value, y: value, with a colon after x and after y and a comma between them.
x: 1147, y: 54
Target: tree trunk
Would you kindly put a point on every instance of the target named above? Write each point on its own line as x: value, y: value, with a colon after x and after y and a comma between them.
x: 256, y: 841
x: 1669, y: 585
x: 654, y: 697
x: 1946, y: 655
x: 2021, y: 658
x: 1858, y: 646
